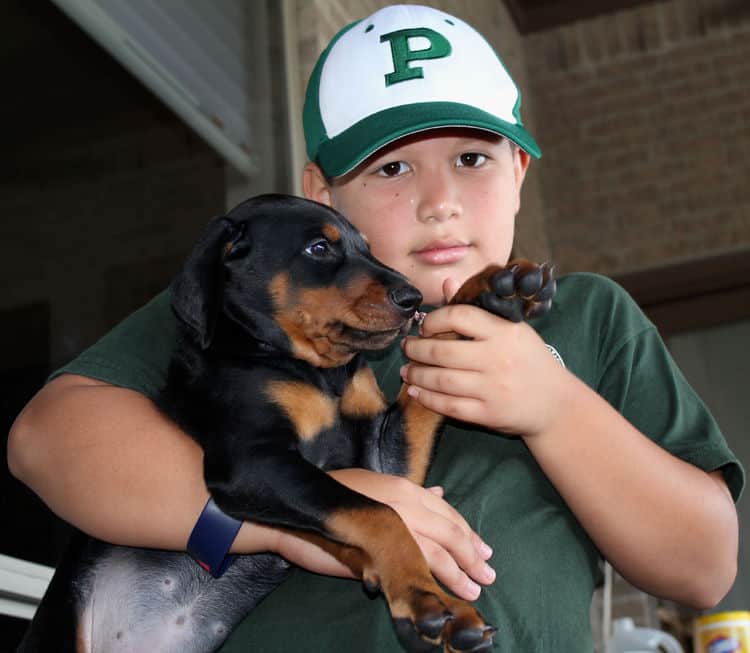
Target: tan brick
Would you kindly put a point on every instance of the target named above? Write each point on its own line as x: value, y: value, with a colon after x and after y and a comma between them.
x: 640, y: 31
x: 671, y: 20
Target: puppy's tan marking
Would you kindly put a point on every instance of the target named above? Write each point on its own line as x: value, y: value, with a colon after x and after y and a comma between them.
x: 475, y: 286
x: 279, y: 289
x: 310, y: 410
x: 393, y: 559
x: 331, y: 232
x: 316, y: 319
x: 362, y: 397
x: 420, y: 429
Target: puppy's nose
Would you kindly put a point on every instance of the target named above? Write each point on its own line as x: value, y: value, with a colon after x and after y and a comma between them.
x: 406, y: 298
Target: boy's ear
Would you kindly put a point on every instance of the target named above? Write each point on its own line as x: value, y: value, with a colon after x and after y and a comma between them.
x: 315, y: 185
x: 521, y: 162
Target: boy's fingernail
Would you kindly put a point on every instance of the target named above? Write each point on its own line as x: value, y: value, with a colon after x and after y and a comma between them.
x: 486, y: 550
x: 412, y: 391
x: 488, y: 574
x: 402, y: 371
x: 473, y: 589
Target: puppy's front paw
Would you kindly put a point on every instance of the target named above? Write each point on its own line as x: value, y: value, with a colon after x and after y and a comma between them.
x: 436, y: 618
x: 523, y: 290
x: 517, y: 291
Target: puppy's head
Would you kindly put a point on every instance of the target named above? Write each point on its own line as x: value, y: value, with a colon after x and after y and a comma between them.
x: 296, y: 276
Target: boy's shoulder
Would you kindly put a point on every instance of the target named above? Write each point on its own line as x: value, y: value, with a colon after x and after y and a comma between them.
x: 587, y: 300
x: 135, y: 354
x: 592, y: 319
x: 591, y: 285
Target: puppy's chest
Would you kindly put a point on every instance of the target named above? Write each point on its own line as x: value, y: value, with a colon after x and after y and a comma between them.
x: 332, y: 429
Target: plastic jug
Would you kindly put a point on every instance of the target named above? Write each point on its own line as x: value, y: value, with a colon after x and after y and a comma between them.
x: 626, y: 638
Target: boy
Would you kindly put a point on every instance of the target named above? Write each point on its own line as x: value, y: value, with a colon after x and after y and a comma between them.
x: 414, y: 132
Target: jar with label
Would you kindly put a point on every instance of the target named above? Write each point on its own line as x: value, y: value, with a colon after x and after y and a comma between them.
x: 724, y: 632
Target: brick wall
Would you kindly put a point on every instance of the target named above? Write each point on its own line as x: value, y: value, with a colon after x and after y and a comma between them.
x: 644, y: 120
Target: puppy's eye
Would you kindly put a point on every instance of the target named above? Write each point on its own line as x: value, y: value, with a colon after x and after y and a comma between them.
x: 319, y: 248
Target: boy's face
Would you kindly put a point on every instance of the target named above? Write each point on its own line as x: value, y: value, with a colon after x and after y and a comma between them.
x: 435, y: 205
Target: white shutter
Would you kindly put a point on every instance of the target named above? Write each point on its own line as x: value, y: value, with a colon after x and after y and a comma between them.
x: 192, y: 54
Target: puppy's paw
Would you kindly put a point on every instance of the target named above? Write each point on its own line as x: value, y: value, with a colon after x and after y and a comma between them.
x: 523, y: 290
x: 436, y: 619
x: 519, y: 291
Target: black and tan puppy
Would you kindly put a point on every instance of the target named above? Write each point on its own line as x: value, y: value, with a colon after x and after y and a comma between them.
x: 274, y: 306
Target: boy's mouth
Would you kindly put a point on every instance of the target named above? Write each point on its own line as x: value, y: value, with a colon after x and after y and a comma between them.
x: 442, y: 252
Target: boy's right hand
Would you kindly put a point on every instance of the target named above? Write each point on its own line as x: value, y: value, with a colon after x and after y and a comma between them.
x: 455, y: 553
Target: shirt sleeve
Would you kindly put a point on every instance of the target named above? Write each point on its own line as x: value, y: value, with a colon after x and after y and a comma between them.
x: 642, y: 381
x: 135, y: 354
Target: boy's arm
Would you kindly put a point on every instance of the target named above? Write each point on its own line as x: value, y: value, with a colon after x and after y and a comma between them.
x: 106, y: 460
x: 666, y: 525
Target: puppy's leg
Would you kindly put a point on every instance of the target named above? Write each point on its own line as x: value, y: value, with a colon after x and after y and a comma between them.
x: 281, y: 488
x: 423, y: 614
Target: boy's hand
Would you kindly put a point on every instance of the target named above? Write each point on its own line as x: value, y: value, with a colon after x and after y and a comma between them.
x: 455, y: 553
x: 503, y: 378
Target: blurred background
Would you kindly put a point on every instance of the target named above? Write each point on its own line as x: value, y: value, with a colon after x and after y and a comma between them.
x: 125, y: 126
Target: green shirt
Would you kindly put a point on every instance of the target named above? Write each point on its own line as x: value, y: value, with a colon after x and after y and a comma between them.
x: 547, y: 567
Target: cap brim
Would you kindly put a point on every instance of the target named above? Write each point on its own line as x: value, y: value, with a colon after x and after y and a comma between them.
x: 344, y: 152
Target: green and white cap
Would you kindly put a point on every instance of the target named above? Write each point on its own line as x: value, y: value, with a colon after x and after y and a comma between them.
x: 405, y: 69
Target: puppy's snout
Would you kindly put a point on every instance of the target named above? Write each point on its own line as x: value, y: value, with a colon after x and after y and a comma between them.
x: 405, y: 298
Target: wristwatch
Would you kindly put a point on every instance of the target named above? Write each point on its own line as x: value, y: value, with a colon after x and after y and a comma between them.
x: 211, y: 539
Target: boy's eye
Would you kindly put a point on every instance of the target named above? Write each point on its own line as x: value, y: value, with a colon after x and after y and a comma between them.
x: 393, y: 169
x: 471, y: 160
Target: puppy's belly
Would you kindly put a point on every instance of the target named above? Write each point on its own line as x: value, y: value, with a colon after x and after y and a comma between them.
x: 135, y: 600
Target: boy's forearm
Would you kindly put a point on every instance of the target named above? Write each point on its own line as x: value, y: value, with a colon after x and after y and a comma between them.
x: 666, y: 525
x: 106, y: 460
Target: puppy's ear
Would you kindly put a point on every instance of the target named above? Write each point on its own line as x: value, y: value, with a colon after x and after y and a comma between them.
x: 196, y: 292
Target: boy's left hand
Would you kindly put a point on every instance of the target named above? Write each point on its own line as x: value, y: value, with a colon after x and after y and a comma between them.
x: 503, y: 378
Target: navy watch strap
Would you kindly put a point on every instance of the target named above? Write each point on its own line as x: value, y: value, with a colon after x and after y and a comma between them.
x: 212, y: 538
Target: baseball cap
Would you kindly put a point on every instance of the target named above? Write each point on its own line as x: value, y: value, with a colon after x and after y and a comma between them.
x: 402, y: 70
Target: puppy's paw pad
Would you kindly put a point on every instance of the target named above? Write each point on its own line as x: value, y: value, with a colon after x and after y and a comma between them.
x: 521, y: 291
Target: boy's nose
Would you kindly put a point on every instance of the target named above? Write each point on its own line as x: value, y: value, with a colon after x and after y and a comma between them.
x: 438, y: 200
